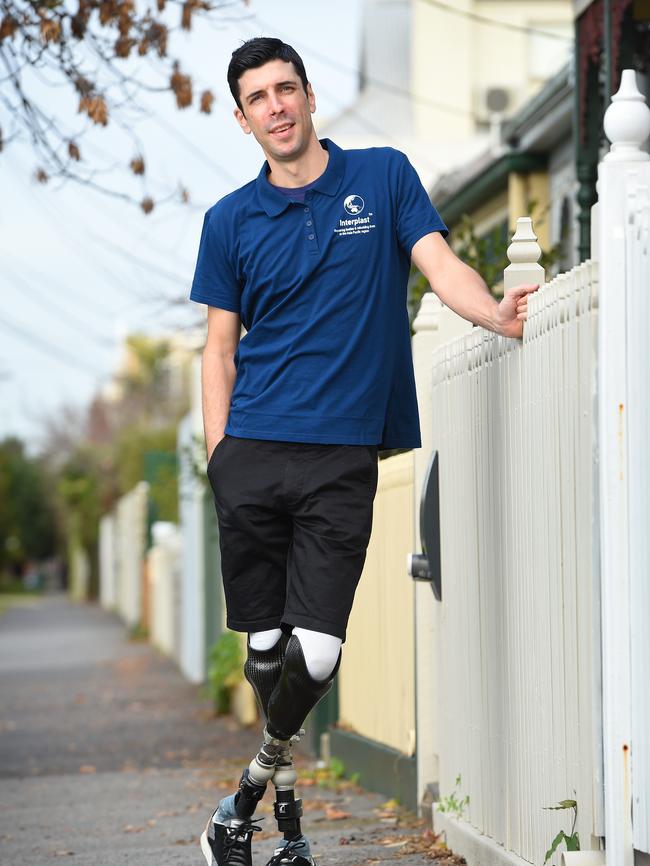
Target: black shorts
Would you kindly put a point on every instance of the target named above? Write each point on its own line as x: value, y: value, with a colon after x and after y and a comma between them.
x: 294, y: 521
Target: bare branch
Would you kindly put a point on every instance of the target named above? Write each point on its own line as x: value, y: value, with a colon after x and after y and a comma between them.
x: 83, y: 46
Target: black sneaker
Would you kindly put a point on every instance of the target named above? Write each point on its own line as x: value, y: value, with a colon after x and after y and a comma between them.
x: 290, y: 855
x: 223, y: 845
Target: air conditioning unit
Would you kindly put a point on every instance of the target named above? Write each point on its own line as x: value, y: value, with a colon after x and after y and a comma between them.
x: 493, y: 102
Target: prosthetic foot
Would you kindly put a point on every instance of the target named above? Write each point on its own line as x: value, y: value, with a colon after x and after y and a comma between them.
x: 295, y: 849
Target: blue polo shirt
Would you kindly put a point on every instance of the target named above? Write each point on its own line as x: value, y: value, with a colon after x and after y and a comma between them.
x: 320, y: 287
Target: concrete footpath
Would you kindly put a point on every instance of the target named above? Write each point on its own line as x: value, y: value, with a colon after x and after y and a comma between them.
x: 108, y: 756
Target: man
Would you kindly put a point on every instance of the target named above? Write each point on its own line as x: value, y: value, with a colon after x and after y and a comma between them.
x: 313, y: 258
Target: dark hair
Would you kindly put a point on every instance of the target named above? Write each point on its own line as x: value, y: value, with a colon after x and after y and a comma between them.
x: 256, y: 52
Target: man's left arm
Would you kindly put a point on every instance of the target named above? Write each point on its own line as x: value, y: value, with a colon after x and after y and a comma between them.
x: 461, y: 289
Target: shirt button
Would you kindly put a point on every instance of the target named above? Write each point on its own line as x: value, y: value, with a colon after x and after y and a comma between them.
x: 311, y: 237
x: 308, y: 222
x: 306, y: 210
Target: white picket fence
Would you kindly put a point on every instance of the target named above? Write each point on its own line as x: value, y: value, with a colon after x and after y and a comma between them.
x: 129, y: 532
x: 514, y: 425
x: 541, y: 636
x: 165, y: 584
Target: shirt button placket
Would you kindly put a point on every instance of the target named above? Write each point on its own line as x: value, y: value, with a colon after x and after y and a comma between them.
x: 312, y: 243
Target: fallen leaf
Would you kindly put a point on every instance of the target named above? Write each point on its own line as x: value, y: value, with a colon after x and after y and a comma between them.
x: 334, y: 814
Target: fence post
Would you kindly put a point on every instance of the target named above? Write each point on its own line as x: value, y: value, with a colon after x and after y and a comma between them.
x: 434, y: 324
x: 523, y: 254
x: 624, y: 433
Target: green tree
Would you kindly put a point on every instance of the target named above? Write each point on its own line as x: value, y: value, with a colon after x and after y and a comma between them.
x: 28, y: 520
x: 144, y: 453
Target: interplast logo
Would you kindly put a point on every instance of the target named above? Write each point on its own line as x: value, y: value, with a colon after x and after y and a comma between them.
x: 354, y: 204
x: 355, y: 224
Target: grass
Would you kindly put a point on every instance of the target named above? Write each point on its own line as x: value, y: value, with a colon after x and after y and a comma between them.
x: 17, y: 599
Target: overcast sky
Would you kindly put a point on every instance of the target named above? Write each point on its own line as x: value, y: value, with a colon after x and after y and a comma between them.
x: 80, y: 270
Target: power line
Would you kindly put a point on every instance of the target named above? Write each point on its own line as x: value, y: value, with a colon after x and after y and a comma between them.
x: 95, y: 308
x: 152, y: 297
x: 382, y: 85
x: 197, y: 151
x: 71, y: 320
x: 405, y: 92
x: 495, y: 22
x: 46, y: 347
x: 79, y: 249
x: 132, y: 257
x: 369, y: 125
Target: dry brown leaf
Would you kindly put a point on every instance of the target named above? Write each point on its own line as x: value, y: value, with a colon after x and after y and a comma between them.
x: 181, y: 86
x: 123, y: 46
x: 137, y: 167
x: 8, y: 27
x: 207, y: 99
x: 334, y: 814
x: 50, y: 30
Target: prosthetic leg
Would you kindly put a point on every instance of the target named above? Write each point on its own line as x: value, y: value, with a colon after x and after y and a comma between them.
x: 295, y: 694
x: 286, y: 693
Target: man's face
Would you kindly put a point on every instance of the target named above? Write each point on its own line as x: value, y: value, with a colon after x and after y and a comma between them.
x: 276, y: 109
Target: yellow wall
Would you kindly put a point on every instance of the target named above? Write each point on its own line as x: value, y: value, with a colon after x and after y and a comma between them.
x: 455, y: 58
x: 377, y: 675
x: 528, y: 195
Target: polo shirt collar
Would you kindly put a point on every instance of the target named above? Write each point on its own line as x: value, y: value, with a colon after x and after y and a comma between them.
x: 328, y: 183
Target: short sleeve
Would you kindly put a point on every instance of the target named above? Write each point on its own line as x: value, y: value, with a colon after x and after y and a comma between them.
x: 416, y: 216
x: 215, y: 281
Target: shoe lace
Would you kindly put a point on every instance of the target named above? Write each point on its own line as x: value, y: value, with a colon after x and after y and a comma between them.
x: 238, y: 834
x: 280, y: 855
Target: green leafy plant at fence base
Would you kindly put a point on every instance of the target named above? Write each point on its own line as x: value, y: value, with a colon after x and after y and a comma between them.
x: 225, y: 670
x: 454, y: 803
x: 571, y: 839
x: 138, y: 632
x: 331, y: 776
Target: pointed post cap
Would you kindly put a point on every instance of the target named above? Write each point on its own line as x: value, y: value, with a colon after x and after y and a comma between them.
x: 627, y: 121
